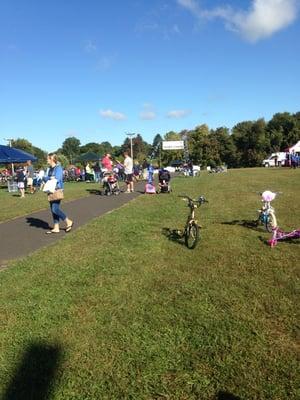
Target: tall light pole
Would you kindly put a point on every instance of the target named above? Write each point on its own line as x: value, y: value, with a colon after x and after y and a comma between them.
x: 9, y: 141
x: 130, y: 134
x: 12, y: 165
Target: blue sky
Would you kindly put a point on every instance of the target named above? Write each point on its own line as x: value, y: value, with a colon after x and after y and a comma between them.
x: 96, y: 69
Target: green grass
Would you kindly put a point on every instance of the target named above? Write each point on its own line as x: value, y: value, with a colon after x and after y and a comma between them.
x: 12, y: 206
x: 131, y: 314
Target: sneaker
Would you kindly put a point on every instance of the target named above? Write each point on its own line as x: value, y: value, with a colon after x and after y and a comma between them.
x: 127, y: 191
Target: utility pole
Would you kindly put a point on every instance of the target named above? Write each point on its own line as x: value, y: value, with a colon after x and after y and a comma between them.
x: 9, y: 141
x: 12, y: 165
x: 186, y: 147
x: 130, y: 134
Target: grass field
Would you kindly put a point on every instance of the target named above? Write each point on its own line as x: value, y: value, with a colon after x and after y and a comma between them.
x: 11, y: 205
x: 117, y: 310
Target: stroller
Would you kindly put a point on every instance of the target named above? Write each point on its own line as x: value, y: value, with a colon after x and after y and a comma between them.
x: 164, y: 178
x: 110, y: 184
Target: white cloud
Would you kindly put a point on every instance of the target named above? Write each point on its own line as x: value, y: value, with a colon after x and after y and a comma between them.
x: 117, y: 116
x: 148, y: 112
x: 104, y: 63
x: 90, y: 46
x: 178, y: 113
x: 147, y: 115
x: 262, y: 20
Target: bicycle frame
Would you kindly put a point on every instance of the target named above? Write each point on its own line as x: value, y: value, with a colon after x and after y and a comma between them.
x: 191, y: 217
x: 191, y: 228
x: 279, y: 234
x: 267, y: 212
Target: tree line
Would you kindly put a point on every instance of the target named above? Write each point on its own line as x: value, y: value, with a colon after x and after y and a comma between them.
x: 245, y: 145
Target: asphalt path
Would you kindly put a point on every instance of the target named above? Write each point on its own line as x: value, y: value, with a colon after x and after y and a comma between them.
x: 21, y: 236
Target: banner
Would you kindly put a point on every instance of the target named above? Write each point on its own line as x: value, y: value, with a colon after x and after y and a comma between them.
x: 173, y: 145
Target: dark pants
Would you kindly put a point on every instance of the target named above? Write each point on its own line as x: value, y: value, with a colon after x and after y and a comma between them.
x: 57, y: 213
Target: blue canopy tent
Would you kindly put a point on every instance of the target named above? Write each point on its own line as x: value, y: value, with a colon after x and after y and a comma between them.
x: 10, y: 155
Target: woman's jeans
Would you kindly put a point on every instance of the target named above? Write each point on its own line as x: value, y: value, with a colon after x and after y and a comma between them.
x: 57, y: 213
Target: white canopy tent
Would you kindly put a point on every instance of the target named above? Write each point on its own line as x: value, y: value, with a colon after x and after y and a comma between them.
x: 295, y: 148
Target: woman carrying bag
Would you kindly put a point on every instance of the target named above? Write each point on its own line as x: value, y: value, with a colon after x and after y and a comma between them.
x: 55, y: 172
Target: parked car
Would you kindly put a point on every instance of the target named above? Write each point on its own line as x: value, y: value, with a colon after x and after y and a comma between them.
x: 275, y: 160
x: 170, y: 169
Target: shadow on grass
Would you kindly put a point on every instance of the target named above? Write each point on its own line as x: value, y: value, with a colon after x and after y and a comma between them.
x: 94, y: 191
x: 174, y: 235
x: 249, y: 224
x: 35, y: 376
x: 286, y: 241
x: 226, y: 396
x: 37, y: 223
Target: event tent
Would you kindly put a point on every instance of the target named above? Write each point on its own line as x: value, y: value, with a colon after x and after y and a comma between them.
x: 89, y: 156
x: 10, y: 155
x: 295, y: 148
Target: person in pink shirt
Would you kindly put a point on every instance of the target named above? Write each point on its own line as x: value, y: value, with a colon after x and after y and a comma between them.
x: 106, y: 162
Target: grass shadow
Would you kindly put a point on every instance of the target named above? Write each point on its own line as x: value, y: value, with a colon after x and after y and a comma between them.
x: 35, y: 376
x: 294, y: 241
x: 94, y: 191
x: 226, y: 396
x: 249, y: 224
x: 174, y: 235
x: 37, y: 223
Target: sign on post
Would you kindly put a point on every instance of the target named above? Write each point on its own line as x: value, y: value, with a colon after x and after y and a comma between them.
x: 173, y: 145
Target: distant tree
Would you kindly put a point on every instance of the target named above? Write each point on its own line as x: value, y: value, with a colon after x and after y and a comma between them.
x: 252, y: 142
x: 105, y: 147
x: 286, y: 127
x: 116, y: 151
x: 71, y: 148
x: 200, y: 146
x: 226, y: 146
x: 41, y: 157
x: 24, y: 144
x: 171, y: 155
x: 63, y: 160
x: 90, y: 147
x: 140, y: 148
x: 155, y: 149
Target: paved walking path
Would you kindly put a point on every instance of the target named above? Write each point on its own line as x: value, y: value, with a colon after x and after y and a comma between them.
x: 21, y: 236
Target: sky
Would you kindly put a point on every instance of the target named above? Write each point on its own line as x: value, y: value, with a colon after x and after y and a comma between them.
x: 99, y: 69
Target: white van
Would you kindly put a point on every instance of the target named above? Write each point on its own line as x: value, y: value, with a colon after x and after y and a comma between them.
x: 275, y: 159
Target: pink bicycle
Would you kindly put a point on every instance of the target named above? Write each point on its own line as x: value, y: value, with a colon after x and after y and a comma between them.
x: 279, y: 234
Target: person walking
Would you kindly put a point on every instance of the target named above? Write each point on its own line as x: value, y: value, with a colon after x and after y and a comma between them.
x: 30, y: 176
x: 21, y: 177
x: 97, y: 170
x: 107, y: 162
x: 55, y: 171
x: 128, y: 170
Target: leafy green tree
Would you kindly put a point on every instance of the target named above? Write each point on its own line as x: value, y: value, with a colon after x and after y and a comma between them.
x: 287, y: 128
x: 105, y: 147
x: 63, y: 160
x: 90, y: 147
x: 252, y: 142
x: 171, y: 155
x: 71, y: 148
x: 24, y: 144
x: 200, y: 145
x: 155, y: 149
x: 226, y: 146
x: 140, y: 148
x: 116, y: 151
